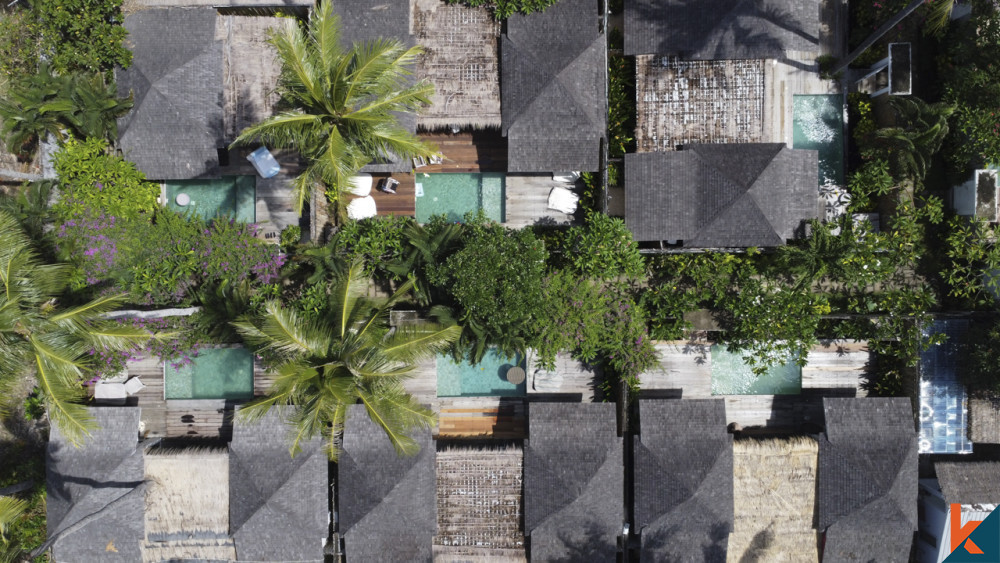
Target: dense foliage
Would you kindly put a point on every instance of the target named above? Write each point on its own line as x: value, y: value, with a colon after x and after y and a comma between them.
x: 621, y: 99
x: 91, y: 178
x: 601, y: 248
x: 18, y: 43
x: 503, y: 9
x: 83, y: 34
x: 495, y: 279
x: 161, y: 260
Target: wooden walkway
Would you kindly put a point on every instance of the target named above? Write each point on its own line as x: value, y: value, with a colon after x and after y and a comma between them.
x: 834, y: 368
x: 180, y: 418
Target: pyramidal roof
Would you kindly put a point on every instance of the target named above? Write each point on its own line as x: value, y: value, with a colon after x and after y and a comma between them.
x: 721, y: 195
x: 553, y: 101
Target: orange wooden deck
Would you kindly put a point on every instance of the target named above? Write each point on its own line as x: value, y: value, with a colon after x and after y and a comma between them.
x: 505, y: 421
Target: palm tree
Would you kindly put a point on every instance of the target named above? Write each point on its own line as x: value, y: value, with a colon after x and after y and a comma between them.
x: 11, y: 510
x: 96, y: 107
x: 920, y: 131
x: 38, y: 336
x: 346, y: 356
x: 342, y: 103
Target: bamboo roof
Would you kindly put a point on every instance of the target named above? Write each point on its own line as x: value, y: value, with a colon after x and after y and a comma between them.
x: 479, y: 504
x: 460, y: 60
x: 774, y: 489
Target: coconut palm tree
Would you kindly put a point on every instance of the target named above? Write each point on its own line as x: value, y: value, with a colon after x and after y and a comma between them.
x: 39, y: 336
x: 11, y: 510
x: 341, y: 103
x: 348, y: 355
x: 910, y: 145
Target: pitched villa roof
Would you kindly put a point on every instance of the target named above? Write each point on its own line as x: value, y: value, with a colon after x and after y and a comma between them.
x: 976, y: 482
x: 573, y: 482
x: 553, y: 100
x: 722, y: 29
x: 252, y: 503
x: 278, y: 504
x: 867, y: 479
x: 366, y: 20
x: 176, y: 76
x: 683, y: 480
x: 82, y: 481
x: 721, y: 195
x: 387, y: 502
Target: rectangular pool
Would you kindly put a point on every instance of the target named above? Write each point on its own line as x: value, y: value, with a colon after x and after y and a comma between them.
x: 454, y: 195
x: 232, y: 196
x: 732, y: 376
x: 216, y: 373
x: 818, y: 124
x: 488, y: 378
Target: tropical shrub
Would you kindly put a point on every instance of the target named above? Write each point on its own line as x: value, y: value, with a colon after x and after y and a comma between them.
x: 377, y: 241
x: 18, y: 43
x: 602, y: 248
x: 83, y: 34
x: 163, y: 260
x: 597, y: 323
x: 621, y: 105
x: 495, y: 279
x: 681, y: 283
x: 980, y: 364
x: 974, y: 257
x: 91, y: 178
x: 920, y: 130
x: 503, y: 9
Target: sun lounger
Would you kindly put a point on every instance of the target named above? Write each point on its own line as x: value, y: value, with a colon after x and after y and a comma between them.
x: 563, y: 200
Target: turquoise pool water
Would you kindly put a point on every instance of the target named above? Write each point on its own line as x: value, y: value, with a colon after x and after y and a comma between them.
x: 732, y: 376
x: 233, y: 196
x: 454, y: 195
x: 216, y: 373
x: 488, y: 378
x: 818, y: 124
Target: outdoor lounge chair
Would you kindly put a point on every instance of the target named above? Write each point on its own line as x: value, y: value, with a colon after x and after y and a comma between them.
x: 362, y: 208
x: 361, y: 184
x: 388, y: 185
x: 110, y: 393
x: 419, y: 162
x: 563, y: 200
x: 134, y: 385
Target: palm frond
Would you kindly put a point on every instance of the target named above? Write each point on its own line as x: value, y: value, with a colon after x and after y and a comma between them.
x: 345, y: 296
x: 397, y: 413
x: 62, y: 401
x: 412, y: 344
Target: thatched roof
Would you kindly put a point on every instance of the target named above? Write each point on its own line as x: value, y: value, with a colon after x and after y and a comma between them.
x: 83, y: 481
x: 984, y: 421
x: 969, y: 482
x: 460, y: 60
x: 479, y: 504
x: 774, y: 490
x: 685, y: 102
x: 250, y: 69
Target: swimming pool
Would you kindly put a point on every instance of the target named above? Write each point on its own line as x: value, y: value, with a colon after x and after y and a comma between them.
x: 818, y: 124
x: 216, y: 373
x: 233, y: 196
x: 454, y: 195
x: 488, y: 378
x: 732, y: 376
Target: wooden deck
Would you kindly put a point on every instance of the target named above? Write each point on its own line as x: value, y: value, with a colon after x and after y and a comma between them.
x: 570, y: 377
x: 476, y: 151
x: 486, y: 417
x: 180, y: 418
x: 834, y: 368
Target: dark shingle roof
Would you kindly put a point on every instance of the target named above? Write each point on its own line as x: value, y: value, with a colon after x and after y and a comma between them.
x: 867, y: 479
x: 278, y: 509
x: 721, y: 29
x: 683, y: 480
x: 721, y: 195
x: 969, y: 482
x: 176, y: 75
x: 81, y: 481
x: 387, y: 502
x: 573, y: 482
x: 553, y: 99
x: 366, y: 20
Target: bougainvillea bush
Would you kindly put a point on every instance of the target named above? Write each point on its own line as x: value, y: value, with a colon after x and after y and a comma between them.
x: 163, y: 259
